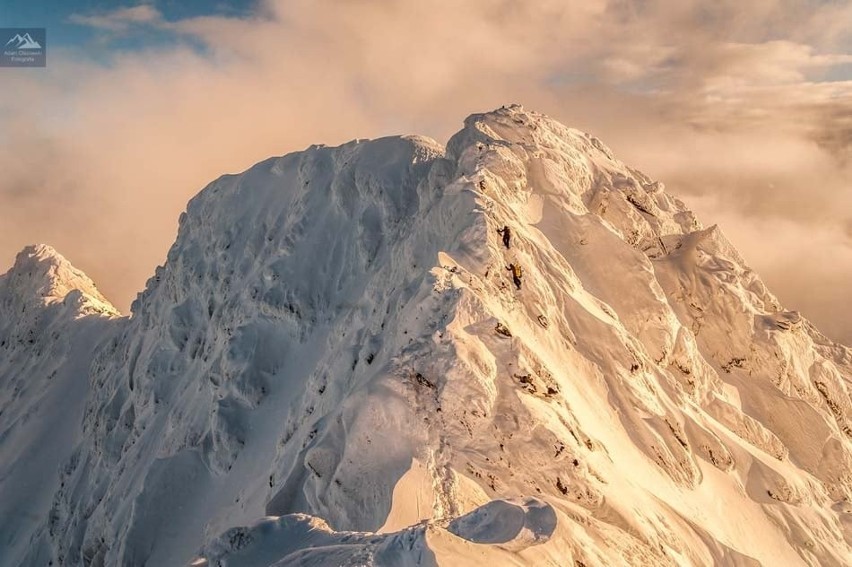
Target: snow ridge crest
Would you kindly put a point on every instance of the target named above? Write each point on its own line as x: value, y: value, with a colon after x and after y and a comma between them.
x: 340, y: 341
x: 41, y: 276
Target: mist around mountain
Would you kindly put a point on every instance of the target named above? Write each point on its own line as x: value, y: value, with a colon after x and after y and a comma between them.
x: 340, y: 363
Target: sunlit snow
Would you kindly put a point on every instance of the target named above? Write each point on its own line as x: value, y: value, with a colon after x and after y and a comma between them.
x: 334, y: 367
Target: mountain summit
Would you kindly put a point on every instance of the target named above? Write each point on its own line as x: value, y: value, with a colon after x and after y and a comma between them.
x: 42, y: 275
x: 514, y: 349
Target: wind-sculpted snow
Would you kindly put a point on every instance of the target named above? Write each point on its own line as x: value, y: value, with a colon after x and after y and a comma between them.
x: 335, y: 343
x: 52, y: 319
x: 297, y: 539
x: 515, y: 525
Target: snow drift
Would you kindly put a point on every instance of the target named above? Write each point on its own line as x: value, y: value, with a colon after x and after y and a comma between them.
x: 334, y: 367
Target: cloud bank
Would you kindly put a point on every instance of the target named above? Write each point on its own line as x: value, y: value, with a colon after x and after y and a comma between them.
x: 743, y: 109
x: 120, y: 19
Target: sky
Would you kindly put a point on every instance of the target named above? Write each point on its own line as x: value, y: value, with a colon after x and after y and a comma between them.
x: 743, y: 109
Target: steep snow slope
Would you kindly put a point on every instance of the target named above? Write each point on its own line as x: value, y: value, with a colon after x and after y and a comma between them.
x: 51, y: 318
x: 335, y: 343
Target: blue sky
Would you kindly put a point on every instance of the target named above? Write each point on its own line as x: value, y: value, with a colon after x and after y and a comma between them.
x: 63, y: 32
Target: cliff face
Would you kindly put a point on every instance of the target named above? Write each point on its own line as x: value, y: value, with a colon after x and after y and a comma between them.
x: 52, y: 319
x: 335, y: 341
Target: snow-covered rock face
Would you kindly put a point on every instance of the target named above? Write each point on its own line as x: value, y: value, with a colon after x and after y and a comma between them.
x: 335, y: 343
x: 42, y: 277
x: 52, y: 319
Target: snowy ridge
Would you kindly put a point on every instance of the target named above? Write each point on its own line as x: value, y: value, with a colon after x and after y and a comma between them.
x: 335, y: 343
x: 42, y: 276
x: 51, y: 321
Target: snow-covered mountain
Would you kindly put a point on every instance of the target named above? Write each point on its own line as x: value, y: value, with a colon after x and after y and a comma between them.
x: 334, y: 367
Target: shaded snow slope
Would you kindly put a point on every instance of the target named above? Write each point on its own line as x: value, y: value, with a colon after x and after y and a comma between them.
x: 335, y: 345
x: 51, y: 321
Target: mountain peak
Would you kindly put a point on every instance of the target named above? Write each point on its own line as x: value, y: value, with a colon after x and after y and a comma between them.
x: 385, y: 348
x: 41, y: 252
x: 42, y: 275
x: 524, y: 131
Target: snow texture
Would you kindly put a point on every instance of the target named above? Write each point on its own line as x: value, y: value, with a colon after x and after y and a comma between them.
x: 335, y: 356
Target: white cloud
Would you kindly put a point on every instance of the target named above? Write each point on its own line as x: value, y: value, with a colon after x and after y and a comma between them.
x: 726, y: 99
x: 119, y: 19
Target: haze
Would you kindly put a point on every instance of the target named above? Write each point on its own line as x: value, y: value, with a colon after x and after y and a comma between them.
x: 742, y: 109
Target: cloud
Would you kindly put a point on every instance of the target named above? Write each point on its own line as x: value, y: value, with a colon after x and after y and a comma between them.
x: 744, y: 105
x: 119, y: 19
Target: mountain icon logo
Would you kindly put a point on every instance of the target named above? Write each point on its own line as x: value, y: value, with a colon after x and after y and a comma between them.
x: 23, y: 42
